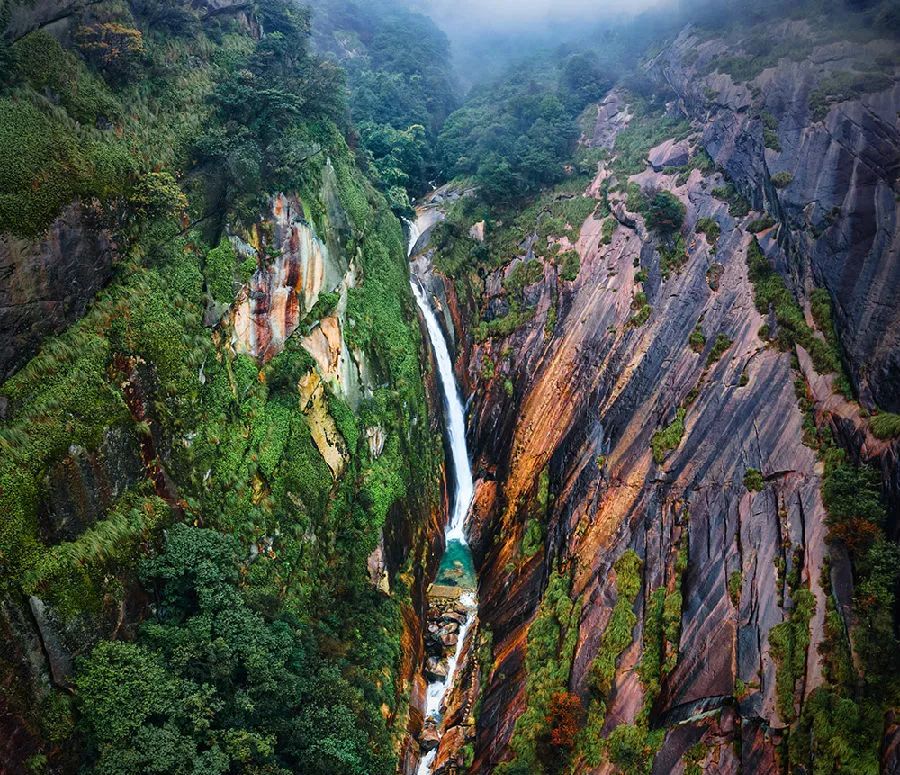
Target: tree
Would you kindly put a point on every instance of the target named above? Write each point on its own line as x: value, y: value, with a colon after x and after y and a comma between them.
x: 213, y: 687
x: 664, y: 212
x: 582, y: 81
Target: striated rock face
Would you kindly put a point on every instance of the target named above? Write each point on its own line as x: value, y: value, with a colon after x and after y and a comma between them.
x: 47, y: 283
x: 578, y: 402
x: 840, y: 206
x: 283, y: 290
x: 296, y: 268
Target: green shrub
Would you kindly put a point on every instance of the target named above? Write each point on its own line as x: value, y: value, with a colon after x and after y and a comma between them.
x: 738, y: 205
x: 632, y: 748
x: 710, y: 227
x: 735, y: 583
x: 570, y: 265
x: 753, y: 480
x: 668, y: 438
x: 664, y: 212
x: 609, y: 228
x: 48, y: 67
x: 533, y: 538
x: 721, y: 344
x: 523, y: 274
x: 641, y: 316
x: 697, y: 340
x: 885, y: 425
x: 673, y: 256
x: 761, y: 224
x: 782, y: 179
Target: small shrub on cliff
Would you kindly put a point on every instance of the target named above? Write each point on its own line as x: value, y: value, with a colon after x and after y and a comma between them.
x: 738, y: 205
x: 721, y: 344
x: 641, y: 316
x: 782, y: 179
x: 753, y: 480
x: 761, y: 224
x: 668, y: 438
x: 697, y: 340
x: 673, y: 256
x: 664, y: 212
x: 885, y: 425
x: 710, y: 227
x: 735, y: 582
x: 609, y: 228
x: 632, y: 748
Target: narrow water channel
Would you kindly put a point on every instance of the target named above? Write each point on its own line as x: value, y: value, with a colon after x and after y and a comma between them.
x: 456, y: 574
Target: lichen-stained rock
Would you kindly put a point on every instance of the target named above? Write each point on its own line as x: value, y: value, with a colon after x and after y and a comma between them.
x: 284, y: 290
x: 297, y: 268
x: 47, y: 283
x: 322, y: 427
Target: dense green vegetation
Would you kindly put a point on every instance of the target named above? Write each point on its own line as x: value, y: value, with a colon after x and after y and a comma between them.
x: 400, y: 86
x: 219, y: 605
x: 514, y: 136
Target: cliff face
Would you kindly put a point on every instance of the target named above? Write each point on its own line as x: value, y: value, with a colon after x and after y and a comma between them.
x: 642, y: 408
x: 268, y: 395
x: 46, y: 284
x: 841, y: 160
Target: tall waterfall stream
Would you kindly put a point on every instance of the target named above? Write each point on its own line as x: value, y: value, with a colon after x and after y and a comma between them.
x: 456, y: 555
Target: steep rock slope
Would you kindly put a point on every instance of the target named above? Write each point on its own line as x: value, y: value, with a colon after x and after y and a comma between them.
x: 644, y: 415
x: 824, y: 118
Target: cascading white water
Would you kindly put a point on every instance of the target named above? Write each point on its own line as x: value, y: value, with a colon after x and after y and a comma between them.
x: 463, y: 490
x: 454, y: 419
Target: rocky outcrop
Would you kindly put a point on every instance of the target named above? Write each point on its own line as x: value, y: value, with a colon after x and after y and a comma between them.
x: 828, y: 170
x: 47, y: 283
x: 687, y: 450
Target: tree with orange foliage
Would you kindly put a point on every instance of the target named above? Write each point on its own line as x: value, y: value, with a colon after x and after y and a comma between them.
x: 563, y: 717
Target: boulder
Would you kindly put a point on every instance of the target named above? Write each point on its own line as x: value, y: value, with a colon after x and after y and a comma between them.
x: 670, y: 153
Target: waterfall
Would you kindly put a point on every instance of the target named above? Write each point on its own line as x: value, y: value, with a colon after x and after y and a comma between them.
x: 463, y: 490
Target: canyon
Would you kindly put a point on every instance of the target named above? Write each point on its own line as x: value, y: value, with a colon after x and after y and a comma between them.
x: 572, y: 407
x: 337, y: 440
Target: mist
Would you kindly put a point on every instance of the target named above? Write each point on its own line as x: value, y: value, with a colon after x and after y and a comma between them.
x: 474, y: 16
x: 487, y: 36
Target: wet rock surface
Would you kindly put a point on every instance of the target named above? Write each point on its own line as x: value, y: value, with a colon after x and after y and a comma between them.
x: 47, y: 283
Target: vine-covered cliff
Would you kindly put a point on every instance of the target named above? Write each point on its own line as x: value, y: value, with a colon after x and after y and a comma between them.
x: 220, y: 464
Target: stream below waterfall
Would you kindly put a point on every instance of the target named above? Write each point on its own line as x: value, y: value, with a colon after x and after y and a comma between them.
x: 456, y: 572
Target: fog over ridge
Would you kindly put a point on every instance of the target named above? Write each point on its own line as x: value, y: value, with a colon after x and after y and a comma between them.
x: 492, y: 13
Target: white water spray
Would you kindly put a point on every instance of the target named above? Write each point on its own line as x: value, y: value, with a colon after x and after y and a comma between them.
x: 463, y: 491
